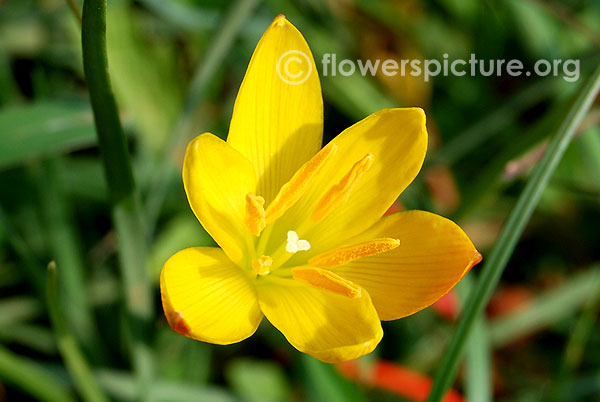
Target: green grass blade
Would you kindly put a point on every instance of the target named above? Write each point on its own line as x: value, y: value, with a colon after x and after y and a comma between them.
x: 134, y: 63
x: 498, y: 258
x: 31, y: 378
x: 72, y: 355
x: 111, y: 138
x: 43, y: 128
x: 34, y: 337
x: 591, y: 147
x: 470, y: 139
x: 489, y: 180
x: 64, y: 243
x: 184, y: 15
x: 126, y: 210
x: 121, y: 387
x: 258, y: 380
x: 14, y: 310
x: 479, y: 365
x: 30, y: 265
x: 75, y: 10
x: 478, y: 376
x: 324, y: 383
x: 580, y: 335
x: 547, y: 309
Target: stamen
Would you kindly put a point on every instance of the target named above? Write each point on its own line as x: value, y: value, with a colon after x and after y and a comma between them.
x: 291, y: 191
x: 326, y: 280
x: 294, y: 244
x: 255, y: 214
x: 339, y: 193
x: 262, y: 265
x: 345, y: 254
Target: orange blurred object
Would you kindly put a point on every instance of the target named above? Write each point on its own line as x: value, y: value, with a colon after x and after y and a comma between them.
x: 448, y: 306
x: 508, y: 300
x: 396, y: 379
x: 442, y: 187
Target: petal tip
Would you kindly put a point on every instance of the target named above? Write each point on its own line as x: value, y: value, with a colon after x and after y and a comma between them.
x: 420, y: 114
x: 476, y: 260
x: 420, y: 111
x: 280, y: 20
x: 200, y: 139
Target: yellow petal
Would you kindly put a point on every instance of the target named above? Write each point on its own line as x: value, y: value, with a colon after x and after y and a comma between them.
x: 277, y: 124
x: 206, y: 297
x: 327, y: 325
x: 434, y: 254
x: 395, y: 140
x: 217, y: 179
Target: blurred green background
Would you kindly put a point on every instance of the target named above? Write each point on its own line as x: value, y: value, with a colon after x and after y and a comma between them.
x: 175, y: 68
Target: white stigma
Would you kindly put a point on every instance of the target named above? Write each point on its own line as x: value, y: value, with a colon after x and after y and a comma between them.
x: 294, y: 244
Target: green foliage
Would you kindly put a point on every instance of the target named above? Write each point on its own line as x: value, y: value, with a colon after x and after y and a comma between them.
x: 255, y: 380
x: 109, y: 206
x: 44, y: 128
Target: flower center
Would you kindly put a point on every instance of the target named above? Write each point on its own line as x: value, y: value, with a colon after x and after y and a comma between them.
x: 259, y: 221
x: 262, y: 265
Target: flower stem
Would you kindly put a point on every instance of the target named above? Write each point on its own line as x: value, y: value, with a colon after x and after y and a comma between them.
x: 500, y: 254
x: 126, y: 211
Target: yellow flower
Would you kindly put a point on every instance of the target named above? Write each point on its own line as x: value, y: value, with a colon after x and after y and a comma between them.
x: 301, y: 233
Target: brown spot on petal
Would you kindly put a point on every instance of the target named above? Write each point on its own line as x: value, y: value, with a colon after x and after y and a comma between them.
x: 177, y: 322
